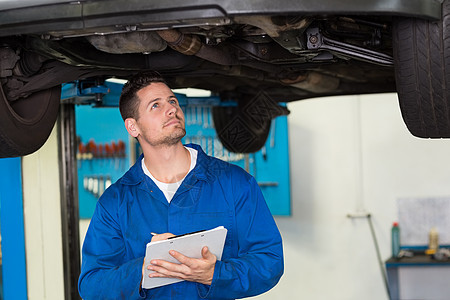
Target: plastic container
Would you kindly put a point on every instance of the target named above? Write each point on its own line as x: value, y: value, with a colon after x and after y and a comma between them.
x: 395, y: 239
x: 433, y: 239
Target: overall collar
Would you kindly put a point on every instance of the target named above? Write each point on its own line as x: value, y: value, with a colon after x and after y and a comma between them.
x: 135, y: 175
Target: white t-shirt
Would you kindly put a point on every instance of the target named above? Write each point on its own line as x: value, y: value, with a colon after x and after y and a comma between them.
x: 169, y: 189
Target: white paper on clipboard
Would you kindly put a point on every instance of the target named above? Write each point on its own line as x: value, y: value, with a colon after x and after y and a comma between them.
x: 189, y: 245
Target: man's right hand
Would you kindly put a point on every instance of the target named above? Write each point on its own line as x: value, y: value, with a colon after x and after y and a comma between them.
x: 157, y: 237
x: 162, y: 236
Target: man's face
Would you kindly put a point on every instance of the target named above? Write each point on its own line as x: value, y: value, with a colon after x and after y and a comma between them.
x: 161, y: 120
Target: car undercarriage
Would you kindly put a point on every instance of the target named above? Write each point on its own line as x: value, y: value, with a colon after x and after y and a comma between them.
x: 237, y: 54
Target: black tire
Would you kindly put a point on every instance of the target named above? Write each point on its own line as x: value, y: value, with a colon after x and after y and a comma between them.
x: 238, y: 132
x: 25, y: 124
x: 422, y: 69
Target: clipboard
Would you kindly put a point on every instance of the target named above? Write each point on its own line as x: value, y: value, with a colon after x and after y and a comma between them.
x: 190, y: 245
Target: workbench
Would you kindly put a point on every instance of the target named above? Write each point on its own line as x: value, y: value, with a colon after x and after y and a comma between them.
x: 418, y: 277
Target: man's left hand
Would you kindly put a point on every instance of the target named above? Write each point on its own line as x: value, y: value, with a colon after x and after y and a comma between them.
x: 199, y: 270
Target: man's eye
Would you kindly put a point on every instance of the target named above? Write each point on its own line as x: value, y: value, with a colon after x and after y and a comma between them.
x: 155, y: 105
x: 173, y: 101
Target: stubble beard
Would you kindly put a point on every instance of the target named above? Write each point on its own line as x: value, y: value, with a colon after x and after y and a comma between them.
x: 168, y: 140
x: 174, y: 138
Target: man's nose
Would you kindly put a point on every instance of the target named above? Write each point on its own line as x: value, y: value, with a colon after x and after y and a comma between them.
x: 172, y: 109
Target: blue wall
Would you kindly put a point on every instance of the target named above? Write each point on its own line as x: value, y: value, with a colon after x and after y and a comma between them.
x: 104, y: 126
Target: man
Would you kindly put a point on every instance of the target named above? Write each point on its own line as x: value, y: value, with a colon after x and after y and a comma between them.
x: 176, y: 189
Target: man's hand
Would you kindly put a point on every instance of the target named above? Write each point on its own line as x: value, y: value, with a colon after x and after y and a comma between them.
x: 162, y: 236
x: 158, y: 237
x: 199, y: 270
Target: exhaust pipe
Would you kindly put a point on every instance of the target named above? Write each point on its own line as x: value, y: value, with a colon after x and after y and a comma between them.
x: 189, y: 44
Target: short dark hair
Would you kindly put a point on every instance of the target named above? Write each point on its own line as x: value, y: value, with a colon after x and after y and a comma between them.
x: 129, y: 101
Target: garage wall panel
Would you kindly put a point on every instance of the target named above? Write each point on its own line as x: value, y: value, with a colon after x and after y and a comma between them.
x: 42, y: 214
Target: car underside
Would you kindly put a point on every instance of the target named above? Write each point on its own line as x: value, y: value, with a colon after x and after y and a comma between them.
x: 327, y: 56
x: 237, y: 54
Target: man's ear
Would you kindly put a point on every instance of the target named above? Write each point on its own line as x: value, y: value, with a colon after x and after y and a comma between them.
x: 131, y: 126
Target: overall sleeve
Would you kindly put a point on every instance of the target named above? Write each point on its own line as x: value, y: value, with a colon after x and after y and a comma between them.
x: 105, y: 273
x: 259, y: 264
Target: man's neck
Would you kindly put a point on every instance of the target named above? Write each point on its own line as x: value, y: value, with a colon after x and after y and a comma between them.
x: 167, y: 163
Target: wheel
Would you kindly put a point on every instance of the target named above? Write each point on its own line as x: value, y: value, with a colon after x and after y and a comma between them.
x: 26, y: 123
x: 422, y: 67
x: 237, y: 132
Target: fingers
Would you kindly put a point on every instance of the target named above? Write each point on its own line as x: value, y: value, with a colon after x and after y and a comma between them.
x: 206, y: 254
x: 180, y: 257
x: 191, y: 269
x: 162, y: 268
x: 158, y: 264
x: 190, y: 262
x: 162, y: 236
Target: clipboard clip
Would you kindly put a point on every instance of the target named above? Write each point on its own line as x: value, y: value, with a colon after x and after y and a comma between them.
x: 177, y: 236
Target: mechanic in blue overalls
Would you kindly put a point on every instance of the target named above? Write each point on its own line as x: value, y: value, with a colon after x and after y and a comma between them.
x: 174, y: 189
